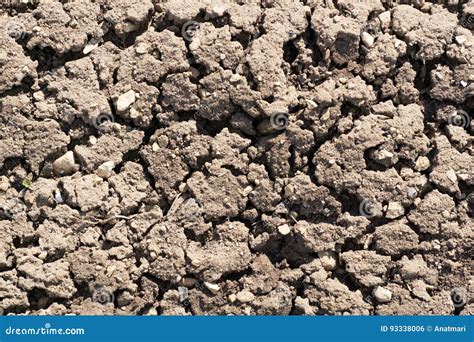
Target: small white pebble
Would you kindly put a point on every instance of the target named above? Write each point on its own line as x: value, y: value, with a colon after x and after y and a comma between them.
x: 142, y: 48
x: 214, y: 288
x: 382, y: 295
x: 182, y: 187
x: 65, y: 164
x: 43, y: 255
x: 394, y: 210
x: 38, y: 96
x: 195, y: 44
x: 385, y: 18
x: 245, y: 296
x: 219, y: 10
x: 385, y: 154
x: 124, y: 101
x: 461, y: 39
x: 411, y: 192
x: 311, y: 104
x: 106, y: 169
x: 235, y: 78
x: 152, y: 312
x: 367, y: 39
x: 328, y: 260
x: 188, y: 281
x: 451, y: 174
x: 247, y: 191
x: 134, y: 113
x: 93, y: 44
x: 57, y: 196
x: 422, y: 163
x: 284, y: 229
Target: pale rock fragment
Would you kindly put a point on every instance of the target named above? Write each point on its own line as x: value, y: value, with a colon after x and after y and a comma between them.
x: 451, y: 174
x: 93, y: 44
x: 65, y: 164
x: 105, y: 170
x: 142, y: 48
x: 284, y: 229
x: 328, y: 260
x: 385, y: 19
x: 422, y: 163
x: 188, y: 281
x: 382, y: 295
x: 461, y: 39
x: 124, y: 101
x: 367, y: 39
x: 214, y: 288
x: 245, y: 296
x: 394, y: 210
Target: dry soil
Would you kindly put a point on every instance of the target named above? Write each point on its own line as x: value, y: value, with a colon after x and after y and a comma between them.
x: 247, y: 157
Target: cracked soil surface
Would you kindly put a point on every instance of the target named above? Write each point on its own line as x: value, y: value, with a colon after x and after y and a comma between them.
x: 246, y: 157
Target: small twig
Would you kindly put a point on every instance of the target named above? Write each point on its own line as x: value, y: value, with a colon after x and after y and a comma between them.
x: 173, y: 205
x: 98, y: 221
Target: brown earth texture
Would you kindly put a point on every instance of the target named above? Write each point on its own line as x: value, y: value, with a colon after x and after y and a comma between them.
x: 236, y: 157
